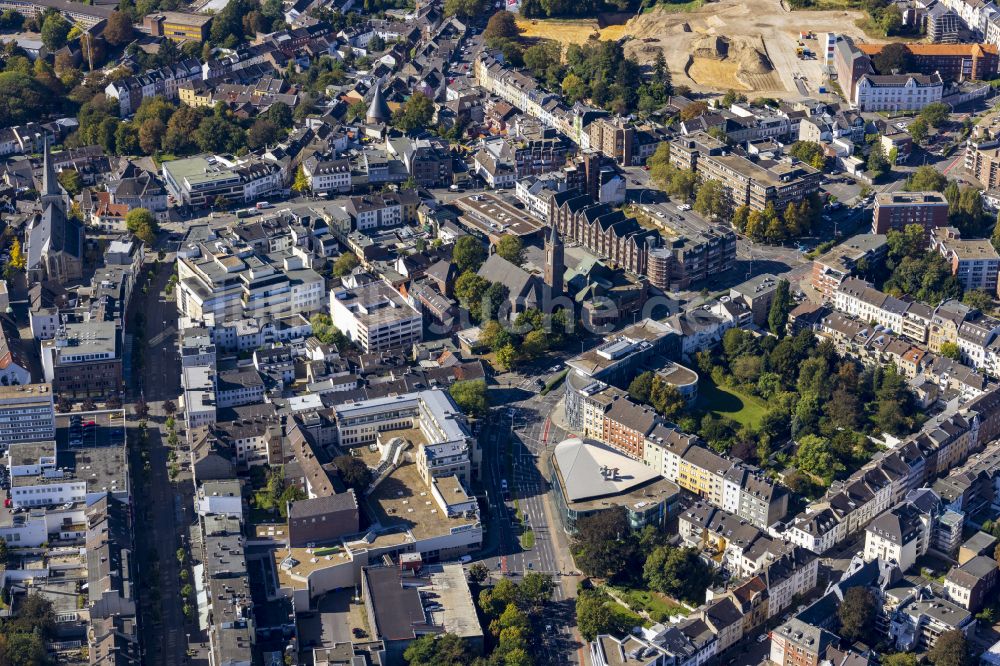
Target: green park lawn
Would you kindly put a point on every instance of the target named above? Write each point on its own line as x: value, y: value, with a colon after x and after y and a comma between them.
x: 725, y: 401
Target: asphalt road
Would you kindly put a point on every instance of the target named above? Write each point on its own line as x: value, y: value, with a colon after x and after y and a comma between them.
x: 161, y: 514
x: 522, y: 426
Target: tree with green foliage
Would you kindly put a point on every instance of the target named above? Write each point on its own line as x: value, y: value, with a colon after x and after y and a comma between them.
x: 468, y: 254
x: 511, y: 248
x: 276, y: 494
x: 777, y: 316
x: 345, y: 263
x: 641, y: 387
x: 878, y: 163
x: 439, y: 650
x: 55, y: 30
x: 22, y: 98
x: 71, y: 181
x: 678, y: 572
x: 416, y: 113
x: 142, y: 223
x: 506, y: 356
x: 470, y: 396
x: 979, y: 299
x: 470, y: 290
x: 478, y: 573
x: 813, y: 456
x: 712, y: 199
x: 926, y: 178
x: 935, y: 114
x: 918, y: 130
x: 324, y: 331
x: 601, y: 545
x: 218, y: 134
x: 856, y: 613
x: 809, y: 152
x: 666, y: 399
x: 951, y: 649
x: 596, y: 614
x: 893, y: 58
x: 354, y: 472
x: 501, y: 26
x: 950, y: 350
x: 465, y: 9
x: 118, y: 30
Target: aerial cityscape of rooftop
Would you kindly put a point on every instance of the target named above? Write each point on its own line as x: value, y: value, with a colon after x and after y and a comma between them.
x: 500, y: 333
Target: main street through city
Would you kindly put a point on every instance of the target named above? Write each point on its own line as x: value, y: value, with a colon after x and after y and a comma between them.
x: 516, y: 446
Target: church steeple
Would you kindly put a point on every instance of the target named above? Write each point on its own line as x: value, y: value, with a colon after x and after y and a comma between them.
x: 555, y: 265
x: 52, y: 190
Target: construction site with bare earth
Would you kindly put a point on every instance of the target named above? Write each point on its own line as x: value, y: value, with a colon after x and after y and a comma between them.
x: 750, y: 46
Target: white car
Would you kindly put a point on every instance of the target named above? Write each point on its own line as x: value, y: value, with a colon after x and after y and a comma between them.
x: 684, y: 207
x: 465, y: 559
x: 762, y: 638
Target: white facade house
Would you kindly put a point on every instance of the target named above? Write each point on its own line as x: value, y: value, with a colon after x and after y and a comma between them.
x: 895, y: 93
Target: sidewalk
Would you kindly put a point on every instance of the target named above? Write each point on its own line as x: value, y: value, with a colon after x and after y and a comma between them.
x: 558, y: 418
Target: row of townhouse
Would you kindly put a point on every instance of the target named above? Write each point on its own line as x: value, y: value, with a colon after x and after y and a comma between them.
x: 522, y: 91
x: 875, y: 346
x: 951, y: 322
x: 163, y: 82
x: 944, y: 442
x: 637, y: 431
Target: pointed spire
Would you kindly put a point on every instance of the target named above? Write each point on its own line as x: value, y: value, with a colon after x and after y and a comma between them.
x: 378, y: 111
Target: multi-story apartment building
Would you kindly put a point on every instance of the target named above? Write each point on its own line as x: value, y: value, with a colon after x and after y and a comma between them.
x: 626, y: 425
x: 374, y: 211
x: 328, y: 175
x: 897, y: 210
x: 751, y: 496
x: 84, y: 359
x: 798, y: 643
x: 982, y: 160
x: 690, y: 253
x: 845, y: 260
x: 27, y: 414
x: 899, y: 535
x: 974, y: 263
x: 375, y: 317
x: 753, y: 184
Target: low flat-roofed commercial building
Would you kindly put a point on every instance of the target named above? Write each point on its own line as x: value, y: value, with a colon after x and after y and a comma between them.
x: 79, y: 465
x: 432, y: 412
x: 403, y: 605
x: 178, y: 26
x: 375, y: 317
x: 494, y: 216
x: 589, y: 477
